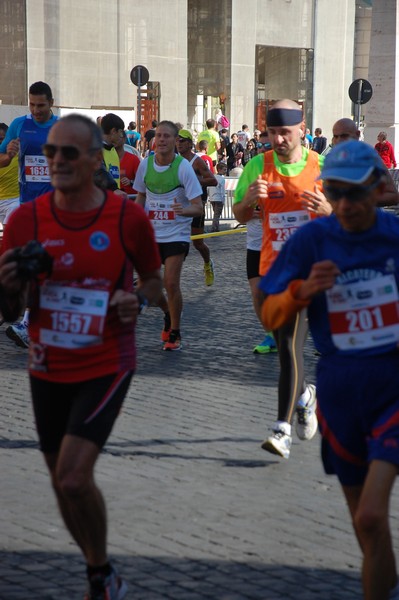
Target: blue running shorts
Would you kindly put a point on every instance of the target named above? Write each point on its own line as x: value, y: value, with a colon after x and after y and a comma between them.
x: 358, y: 413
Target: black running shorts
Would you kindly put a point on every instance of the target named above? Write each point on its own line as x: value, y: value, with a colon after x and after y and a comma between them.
x: 253, y: 260
x: 87, y: 409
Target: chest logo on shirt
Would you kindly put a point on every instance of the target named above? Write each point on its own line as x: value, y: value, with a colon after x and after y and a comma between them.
x: 114, y: 171
x: 99, y: 241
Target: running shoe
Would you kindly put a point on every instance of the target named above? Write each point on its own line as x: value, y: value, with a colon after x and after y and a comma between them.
x: 166, y: 328
x: 267, y: 345
x: 209, y: 273
x: 306, y: 424
x: 106, y: 588
x: 173, y: 343
x: 18, y: 333
x: 278, y: 443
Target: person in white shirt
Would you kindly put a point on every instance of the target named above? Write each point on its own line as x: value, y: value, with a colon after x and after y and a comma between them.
x: 216, y: 195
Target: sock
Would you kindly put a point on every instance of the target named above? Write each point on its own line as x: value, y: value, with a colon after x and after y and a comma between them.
x: 282, y: 426
x: 103, y: 570
x: 304, y: 398
x: 25, y: 318
x: 166, y: 318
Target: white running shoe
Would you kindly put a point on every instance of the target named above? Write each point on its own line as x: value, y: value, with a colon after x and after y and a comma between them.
x: 306, y: 424
x: 18, y: 333
x: 278, y: 443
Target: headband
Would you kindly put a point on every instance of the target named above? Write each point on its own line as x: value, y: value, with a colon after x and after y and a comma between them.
x: 280, y: 117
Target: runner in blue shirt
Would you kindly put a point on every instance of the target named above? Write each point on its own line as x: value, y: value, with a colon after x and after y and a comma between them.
x: 345, y: 269
x: 25, y: 138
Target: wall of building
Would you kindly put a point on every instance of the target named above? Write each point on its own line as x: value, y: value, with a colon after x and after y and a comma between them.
x: 86, y: 50
x: 333, y: 62
x: 382, y: 111
x: 308, y: 24
x: 267, y: 23
x: 362, y: 42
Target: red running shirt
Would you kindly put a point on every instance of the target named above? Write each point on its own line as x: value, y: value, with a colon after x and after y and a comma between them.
x: 74, y: 335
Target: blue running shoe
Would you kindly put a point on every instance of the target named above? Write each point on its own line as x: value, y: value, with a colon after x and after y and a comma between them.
x: 268, y: 345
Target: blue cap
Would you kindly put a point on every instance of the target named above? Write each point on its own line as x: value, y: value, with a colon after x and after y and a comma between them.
x: 352, y: 162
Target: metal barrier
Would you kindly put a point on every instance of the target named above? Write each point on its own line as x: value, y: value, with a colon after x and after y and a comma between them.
x: 227, y: 214
x: 394, y: 173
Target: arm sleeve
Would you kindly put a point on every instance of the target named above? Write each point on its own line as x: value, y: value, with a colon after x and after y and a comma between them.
x: 139, y: 184
x: 278, y: 309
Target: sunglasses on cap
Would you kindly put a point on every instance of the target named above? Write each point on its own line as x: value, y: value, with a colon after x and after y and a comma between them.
x: 355, y: 193
x: 68, y: 152
x: 266, y: 145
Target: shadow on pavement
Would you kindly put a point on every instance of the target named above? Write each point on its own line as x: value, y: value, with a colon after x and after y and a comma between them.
x: 56, y: 576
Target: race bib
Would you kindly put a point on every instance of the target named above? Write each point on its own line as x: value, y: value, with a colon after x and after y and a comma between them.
x: 364, y: 314
x: 161, y: 215
x: 36, y: 169
x: 160, y: 211
x: 283, y: 225
x: 71, y: 317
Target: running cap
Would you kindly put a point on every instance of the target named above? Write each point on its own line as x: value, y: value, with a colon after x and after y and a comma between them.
x: 184, y: 133
x: 352, y: 162
x: 280, y: 117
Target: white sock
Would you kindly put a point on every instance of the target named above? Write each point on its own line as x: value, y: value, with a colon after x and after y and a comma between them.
x: 282, y: 426
x: 304, y: 398
x: 25, y: 318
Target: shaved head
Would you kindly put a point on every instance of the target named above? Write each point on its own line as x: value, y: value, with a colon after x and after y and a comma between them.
x: 286, y: 103
x: 344, y: 130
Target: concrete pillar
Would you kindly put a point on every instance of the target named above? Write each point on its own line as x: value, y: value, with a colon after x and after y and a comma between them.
x: 382, y: 111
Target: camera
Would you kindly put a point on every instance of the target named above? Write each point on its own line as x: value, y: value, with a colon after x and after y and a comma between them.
x: 32, y: 260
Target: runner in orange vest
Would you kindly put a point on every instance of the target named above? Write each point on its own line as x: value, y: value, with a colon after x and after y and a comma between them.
x: 276, y: 181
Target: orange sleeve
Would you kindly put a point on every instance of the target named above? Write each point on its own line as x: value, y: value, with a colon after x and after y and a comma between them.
x: 278, y: 309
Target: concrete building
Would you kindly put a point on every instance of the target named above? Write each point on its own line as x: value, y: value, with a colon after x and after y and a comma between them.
x: 236, y: 54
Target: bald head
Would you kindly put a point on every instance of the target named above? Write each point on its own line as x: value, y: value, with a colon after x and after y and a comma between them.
x: 344, y: 130
x: 286, y: 103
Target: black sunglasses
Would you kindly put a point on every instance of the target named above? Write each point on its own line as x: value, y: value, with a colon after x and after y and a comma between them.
x: 68, y: 152
x: 355, y: 193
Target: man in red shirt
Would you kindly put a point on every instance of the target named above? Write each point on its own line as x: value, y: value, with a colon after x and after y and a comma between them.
x: 129, y: 163
x: 83, y: 314
x: 385, y: 150
x: 202, y: 153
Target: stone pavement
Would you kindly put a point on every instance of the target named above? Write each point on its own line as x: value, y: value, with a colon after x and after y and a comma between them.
x: 197, y: 510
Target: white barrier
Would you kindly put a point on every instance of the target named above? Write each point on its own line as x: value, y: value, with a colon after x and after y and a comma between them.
x: 227, y: 214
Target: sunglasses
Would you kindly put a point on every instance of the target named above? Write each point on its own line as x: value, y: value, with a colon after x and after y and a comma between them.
x: 266, y: 145
x: 355, y: 193
x: 68, y: 152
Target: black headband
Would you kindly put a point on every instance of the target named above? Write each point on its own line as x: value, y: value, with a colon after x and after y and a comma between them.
x: 280, y: 117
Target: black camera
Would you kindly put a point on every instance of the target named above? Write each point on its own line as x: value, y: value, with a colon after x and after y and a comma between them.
x: 32, y: 260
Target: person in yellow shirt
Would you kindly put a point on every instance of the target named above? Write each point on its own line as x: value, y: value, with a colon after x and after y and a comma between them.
x: 211, y: 136
x: 9, y: 187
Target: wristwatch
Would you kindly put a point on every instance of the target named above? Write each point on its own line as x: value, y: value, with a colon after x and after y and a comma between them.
x: 143, y: 302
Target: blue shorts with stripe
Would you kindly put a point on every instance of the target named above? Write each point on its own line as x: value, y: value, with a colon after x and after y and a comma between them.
x: 358, y: 413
